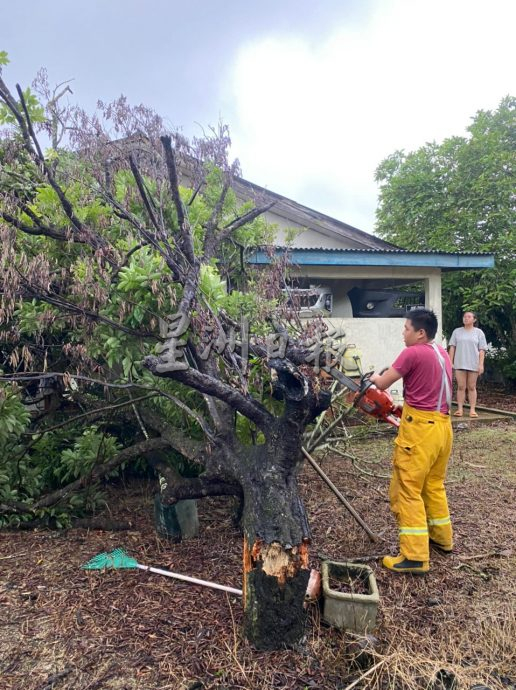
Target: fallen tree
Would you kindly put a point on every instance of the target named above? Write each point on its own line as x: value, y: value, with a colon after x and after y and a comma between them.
x: 116, y: 254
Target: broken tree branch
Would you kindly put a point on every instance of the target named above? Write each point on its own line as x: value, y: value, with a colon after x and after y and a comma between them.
x: 184, y: 227
x: 48, y: 500
x: 345, y: 503
x: 143, y: 193
x: 242, y: 220
x: 252, y: 409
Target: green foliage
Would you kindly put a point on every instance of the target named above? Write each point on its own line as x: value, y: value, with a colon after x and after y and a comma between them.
x: 90, y: 448
x: 507, y: 364
x: 237, y: 303
x: 212, y: 287
x: 15, y: 469
x: 503, y: 362
x: 247, y: 433
x: 13, y: 420
x: 54, y: 459
x: 135, y: 279
x: 36, y: 111
x: 459, y: 196
x: 33, y: 318
x: 171, y: 414
x: 27, y: 472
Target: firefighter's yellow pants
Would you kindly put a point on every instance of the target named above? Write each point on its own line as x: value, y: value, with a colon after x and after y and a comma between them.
x: 417, y: 494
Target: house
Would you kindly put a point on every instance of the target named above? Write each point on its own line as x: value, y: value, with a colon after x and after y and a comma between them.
x: 362, y: 285
x: 367, y: 283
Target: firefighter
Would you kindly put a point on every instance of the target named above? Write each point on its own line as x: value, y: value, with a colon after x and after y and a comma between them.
x: 422, y: 447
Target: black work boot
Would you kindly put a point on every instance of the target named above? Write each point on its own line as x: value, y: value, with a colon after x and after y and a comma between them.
x: 445, y: 549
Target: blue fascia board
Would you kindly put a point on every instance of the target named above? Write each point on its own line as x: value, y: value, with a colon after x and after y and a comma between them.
x: 314, y: 257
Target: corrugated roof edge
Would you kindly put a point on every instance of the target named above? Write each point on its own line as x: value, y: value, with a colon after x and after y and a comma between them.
x: 446, y: 261
x: 396, y: 250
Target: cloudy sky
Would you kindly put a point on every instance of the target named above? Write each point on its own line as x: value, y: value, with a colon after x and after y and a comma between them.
x: 316, y: 93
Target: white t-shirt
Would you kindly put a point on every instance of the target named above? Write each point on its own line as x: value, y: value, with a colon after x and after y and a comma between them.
x: 467, y: 343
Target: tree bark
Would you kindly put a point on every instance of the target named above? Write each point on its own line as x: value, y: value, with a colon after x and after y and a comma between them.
x: 275, y: 526
x: 276, y: 542
x: 275, y: 582
x: 274, y: 521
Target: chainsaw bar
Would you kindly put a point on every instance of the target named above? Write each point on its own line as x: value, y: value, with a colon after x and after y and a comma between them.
x: 343, y: 379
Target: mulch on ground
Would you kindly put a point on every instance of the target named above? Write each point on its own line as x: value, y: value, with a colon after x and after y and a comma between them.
x: 496, y: 396
x: 63, y: 628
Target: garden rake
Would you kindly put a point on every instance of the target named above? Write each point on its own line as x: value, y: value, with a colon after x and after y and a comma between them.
x: 119, y: 559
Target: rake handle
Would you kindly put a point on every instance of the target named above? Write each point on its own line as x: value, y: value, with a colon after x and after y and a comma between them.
x: 185, y: 578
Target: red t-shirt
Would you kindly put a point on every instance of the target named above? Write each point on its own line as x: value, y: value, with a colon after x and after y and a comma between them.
x: 422, y: 376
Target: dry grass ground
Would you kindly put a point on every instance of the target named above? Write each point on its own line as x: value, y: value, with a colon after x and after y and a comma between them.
x: 65, y: 629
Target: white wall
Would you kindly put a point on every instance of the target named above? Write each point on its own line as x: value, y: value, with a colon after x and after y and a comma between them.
x: 378, y: 341
x: 306, y: 238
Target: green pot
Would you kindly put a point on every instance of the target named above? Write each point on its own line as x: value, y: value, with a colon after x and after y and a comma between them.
x: 176, y: 522
x: 349, y: 610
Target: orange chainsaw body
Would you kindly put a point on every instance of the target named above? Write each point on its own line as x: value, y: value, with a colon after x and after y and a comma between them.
x: 379, y: 404
x: 368, y: 397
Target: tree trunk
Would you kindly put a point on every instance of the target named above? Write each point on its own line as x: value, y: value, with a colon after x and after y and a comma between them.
x: 275, y: 526
x: 275, y: 581
x: 276, y: 539
x: 274, y: 521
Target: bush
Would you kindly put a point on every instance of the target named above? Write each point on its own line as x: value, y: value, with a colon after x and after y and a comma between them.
x: 501, y: 366
x: 32, y: 466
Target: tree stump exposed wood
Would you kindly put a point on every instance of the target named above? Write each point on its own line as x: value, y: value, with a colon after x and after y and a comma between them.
x: 275, y: 581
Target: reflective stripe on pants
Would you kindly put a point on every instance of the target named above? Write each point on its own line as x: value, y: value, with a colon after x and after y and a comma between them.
x: 417, y: 494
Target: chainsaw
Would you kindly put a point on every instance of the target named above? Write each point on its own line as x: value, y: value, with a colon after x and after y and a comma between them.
x: 368, y: 397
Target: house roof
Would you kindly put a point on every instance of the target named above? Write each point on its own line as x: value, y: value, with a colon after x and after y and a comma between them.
x: 447, y: 261
x: 366, y: 249
x: 307, y: 217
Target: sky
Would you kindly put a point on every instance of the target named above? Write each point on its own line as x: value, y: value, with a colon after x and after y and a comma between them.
x: 316, y: 94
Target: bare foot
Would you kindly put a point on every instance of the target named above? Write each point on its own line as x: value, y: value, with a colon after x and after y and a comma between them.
x: 473, y: 414
x: 459, y: 413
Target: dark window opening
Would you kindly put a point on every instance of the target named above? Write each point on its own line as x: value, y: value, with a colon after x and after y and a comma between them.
x: 371, y: 303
